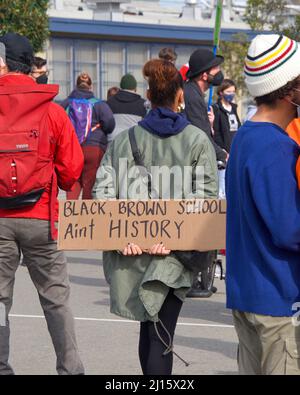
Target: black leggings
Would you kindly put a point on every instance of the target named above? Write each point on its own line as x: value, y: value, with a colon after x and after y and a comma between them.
x: 151, y: 349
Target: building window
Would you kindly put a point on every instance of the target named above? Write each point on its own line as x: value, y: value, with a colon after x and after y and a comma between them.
x: 86, y: 60
x: 137, y: 56
x: 60, y: 60
x: 184, y: 52
x: 105, y: 61
x: 112, y: 65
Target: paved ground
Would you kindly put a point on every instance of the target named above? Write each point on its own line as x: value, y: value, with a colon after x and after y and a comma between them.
x: 108, y: 345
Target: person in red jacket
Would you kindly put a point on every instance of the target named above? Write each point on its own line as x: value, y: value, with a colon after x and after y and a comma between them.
x: 27, y: 229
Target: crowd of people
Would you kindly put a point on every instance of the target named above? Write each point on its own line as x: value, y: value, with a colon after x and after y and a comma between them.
x: 75, y: 144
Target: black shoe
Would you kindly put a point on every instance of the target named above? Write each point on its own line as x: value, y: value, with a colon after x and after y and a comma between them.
x: 214, y: 289
x: 199, y: 293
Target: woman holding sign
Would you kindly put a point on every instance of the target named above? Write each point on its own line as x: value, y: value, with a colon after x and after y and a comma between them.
x: 150, y: 285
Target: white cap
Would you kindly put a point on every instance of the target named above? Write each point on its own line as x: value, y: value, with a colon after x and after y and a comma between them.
x: 272, y: 61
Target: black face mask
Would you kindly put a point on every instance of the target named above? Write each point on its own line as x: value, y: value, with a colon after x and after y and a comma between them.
x: 216, y: 80
x: 42, y: 79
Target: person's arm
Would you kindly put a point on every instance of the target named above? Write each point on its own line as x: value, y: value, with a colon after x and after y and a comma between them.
x: 68, y: 157
x: 197, y: 114
x: 277, y: 199
x: 238, y: 118
x: 217, y: 127
x: 105, y: 118
x: 206, y: 167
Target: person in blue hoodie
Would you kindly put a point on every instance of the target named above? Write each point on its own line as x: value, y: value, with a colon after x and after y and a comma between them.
x: 94, y: 147
x: 263, y: 219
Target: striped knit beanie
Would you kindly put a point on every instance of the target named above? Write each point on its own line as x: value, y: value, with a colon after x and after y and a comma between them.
x: 271, y: 63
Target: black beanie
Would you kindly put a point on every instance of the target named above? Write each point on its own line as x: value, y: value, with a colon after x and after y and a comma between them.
x: 18, y: 48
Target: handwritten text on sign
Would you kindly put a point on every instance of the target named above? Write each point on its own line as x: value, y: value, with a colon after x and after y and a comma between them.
x: 110, y: 225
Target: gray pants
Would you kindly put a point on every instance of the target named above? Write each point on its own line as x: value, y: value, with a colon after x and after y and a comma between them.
x: 48, y: 270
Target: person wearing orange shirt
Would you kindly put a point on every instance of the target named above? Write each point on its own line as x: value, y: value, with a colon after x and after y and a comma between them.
x: 293, y: 131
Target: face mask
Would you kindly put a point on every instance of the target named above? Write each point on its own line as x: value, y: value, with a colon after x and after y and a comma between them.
x: 229, y: 97
x: 296, y: 105
x: 216, y: 80
x: 42, y: 79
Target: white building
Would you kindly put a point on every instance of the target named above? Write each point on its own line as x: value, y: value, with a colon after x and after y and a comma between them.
x: 108, y: 38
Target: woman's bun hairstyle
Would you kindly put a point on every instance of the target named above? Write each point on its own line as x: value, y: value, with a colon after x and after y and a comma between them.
x: 84, y: 81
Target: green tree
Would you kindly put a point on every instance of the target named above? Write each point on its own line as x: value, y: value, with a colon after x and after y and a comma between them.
x: 271, y: 15
x: 234, y: 53
x: 261, y: 15
x: 26, y: 17
x: 293, y: 31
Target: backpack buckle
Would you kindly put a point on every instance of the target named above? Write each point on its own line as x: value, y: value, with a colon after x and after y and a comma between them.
x: 35, y: 133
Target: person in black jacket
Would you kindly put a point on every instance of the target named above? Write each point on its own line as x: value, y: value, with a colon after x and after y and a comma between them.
x: 204, y: 71
x: 103, y: 123
x: 226, y: 123
x: 127, y: 106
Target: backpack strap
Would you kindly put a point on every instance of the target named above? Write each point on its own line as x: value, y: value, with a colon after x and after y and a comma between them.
x: 138, y: 159
x: 94, y: 101
x: 53, y: 197
x: 134, y: 148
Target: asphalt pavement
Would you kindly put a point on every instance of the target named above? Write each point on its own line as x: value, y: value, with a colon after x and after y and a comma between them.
x: 205, y: 336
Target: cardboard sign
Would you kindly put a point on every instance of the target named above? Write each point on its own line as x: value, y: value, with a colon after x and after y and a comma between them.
x: 111, y: 225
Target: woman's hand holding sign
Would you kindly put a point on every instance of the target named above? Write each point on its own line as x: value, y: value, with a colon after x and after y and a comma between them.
x: 157, y: 249
x: 132, y: 250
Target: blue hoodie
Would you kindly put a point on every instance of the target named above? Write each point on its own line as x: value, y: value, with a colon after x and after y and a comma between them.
x: 263, y: 221
x: 164, y: 122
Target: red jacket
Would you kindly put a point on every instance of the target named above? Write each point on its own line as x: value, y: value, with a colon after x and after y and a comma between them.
x: 68, y: 156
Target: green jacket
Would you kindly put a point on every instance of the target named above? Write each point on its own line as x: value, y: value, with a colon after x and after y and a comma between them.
x: 139, y: 285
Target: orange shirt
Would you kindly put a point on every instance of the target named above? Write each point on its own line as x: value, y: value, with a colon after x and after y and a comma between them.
x: 293, y: 131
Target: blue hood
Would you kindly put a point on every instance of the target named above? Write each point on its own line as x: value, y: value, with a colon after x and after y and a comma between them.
x: 81, y: 94
x: 164, y: 122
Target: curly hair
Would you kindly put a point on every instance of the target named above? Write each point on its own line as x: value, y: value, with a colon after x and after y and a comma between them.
x: 279, y: 94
